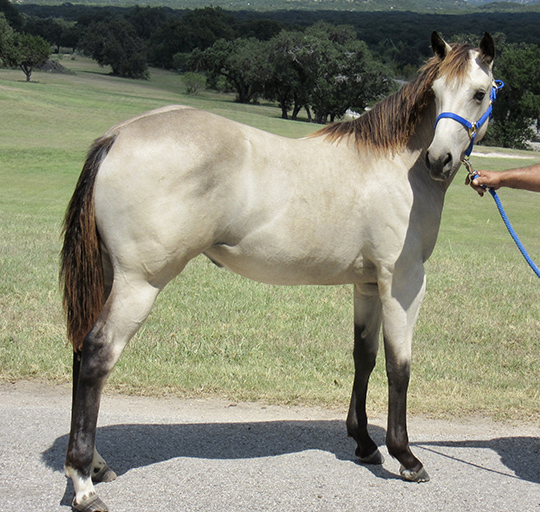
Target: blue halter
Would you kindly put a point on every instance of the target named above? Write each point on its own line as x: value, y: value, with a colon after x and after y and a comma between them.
x: 472, y: 128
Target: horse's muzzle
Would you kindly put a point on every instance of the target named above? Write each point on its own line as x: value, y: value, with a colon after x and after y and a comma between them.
x: 440, y: 167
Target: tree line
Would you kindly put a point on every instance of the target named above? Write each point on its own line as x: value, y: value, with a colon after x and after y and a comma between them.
x: 324, y: 69
x: 398, y: 38
x: 288, y: 58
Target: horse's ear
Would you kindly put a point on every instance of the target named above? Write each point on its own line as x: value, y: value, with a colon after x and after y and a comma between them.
x: 487, y: 49
x: 439, y: 46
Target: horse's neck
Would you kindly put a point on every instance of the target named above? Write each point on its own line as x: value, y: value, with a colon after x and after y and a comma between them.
x: 428, y: 193
x: 415, y: 153
x: 425, y: 130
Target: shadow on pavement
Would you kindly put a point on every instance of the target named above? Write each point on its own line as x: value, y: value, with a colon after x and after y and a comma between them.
x: 519, y: 454
x: 129, y: 446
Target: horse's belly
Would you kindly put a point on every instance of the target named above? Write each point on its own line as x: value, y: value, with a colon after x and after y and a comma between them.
x: 287, y: 267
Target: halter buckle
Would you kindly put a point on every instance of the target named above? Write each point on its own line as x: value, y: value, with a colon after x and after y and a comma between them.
x: 472, y: 131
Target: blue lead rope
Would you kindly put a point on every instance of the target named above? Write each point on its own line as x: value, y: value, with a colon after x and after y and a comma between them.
x: 511, y: 229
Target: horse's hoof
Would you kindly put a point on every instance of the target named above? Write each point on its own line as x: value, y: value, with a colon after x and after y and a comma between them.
x: 105, y: 474
x: 375, y: 458
x: 92, y: 503
x: 414, y: 476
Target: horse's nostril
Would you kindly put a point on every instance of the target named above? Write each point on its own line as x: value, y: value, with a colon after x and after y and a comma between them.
x: 447, y: 160
x: 428, y: 163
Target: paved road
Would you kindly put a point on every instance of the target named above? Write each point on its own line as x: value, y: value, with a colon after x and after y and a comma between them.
x: 206, y: 455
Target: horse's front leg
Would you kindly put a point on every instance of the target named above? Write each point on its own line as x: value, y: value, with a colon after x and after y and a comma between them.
x: 402, y: 298
x: 367, y: 326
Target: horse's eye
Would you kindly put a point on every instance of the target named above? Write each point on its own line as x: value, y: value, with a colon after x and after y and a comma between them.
x: 479, y: 96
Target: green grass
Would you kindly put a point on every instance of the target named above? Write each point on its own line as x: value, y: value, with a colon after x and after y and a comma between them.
x: 477, y: 346
x: 478, y: 337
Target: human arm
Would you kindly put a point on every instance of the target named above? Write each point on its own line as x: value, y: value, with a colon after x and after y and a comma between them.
x: 524, y: 178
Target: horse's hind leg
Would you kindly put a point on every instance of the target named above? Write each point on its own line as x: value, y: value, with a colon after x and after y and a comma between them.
x: 100, y: 471
x: 124, y: 312
x: 367, y: 325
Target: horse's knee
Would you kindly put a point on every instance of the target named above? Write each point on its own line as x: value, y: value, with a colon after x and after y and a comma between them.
x: 366, y: 347
x: 398, y: 373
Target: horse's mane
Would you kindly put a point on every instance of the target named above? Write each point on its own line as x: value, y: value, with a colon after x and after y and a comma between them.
x: 390, y: 124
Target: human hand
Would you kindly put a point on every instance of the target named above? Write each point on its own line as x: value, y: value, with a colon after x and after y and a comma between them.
x: 483, y: 180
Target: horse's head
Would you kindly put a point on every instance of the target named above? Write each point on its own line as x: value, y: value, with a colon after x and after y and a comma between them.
x: 464, y: 90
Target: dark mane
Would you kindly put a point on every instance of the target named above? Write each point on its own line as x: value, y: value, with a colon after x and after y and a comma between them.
x: 392, y: 122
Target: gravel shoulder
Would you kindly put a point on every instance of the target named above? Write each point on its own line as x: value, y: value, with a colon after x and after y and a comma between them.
x: 193, y: 455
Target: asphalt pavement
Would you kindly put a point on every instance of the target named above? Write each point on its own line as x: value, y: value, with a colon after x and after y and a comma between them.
x: 180, y: 455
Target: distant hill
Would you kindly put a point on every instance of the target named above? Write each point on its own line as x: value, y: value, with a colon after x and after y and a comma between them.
x: 420, y: 6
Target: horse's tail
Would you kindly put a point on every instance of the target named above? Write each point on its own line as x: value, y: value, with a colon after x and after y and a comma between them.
x: 81, y: 267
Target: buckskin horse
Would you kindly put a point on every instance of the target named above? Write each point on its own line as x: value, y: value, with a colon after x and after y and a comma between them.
x: 357, y: 202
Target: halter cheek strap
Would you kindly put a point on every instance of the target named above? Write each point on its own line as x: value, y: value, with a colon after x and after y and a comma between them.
x: 472, y: 128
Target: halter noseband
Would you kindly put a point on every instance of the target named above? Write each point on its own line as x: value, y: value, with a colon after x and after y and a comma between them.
x: 472, y: 128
